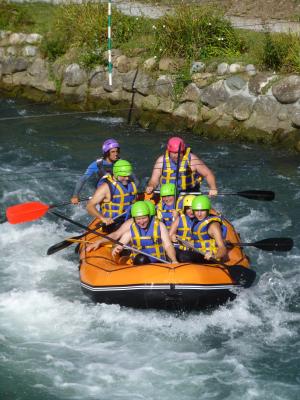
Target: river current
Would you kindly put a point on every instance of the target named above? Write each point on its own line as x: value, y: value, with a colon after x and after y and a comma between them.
x: 55, y: 344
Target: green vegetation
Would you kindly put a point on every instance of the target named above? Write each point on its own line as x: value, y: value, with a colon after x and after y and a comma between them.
x: 85, y: 27
x: 282, y: 52
x: 194, y: 33
x: 197, y: 32
x: 36, y: 17
x: 14, y: 17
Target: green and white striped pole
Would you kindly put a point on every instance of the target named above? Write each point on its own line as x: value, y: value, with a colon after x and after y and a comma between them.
x: 110, y: 67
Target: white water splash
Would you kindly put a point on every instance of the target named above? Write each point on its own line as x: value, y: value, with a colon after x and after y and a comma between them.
x: 56, y: 344
x: 110, y: 120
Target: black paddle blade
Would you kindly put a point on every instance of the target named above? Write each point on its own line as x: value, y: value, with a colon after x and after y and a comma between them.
x: 62, y: 245
x: 275, y: 244
x: 264, y: 195
x: 242, y: 275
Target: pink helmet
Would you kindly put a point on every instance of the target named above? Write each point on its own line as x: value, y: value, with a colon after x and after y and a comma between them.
x: 109, y: 144
x: 174, y: 143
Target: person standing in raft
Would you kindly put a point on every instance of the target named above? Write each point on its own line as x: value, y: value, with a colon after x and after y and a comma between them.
x: 181, y: 229
x: 191, y: 169
x: 116, y: 235
x: 166, y: 208
x: 207, y: 231
x: 147, y: 234
x: 98, y: 168
x: 114, y: 196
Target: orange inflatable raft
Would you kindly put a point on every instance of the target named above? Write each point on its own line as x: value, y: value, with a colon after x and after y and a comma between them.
x: 183, y: 286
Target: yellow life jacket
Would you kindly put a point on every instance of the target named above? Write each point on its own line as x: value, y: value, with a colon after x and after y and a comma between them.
x: 184, y: 229
x: 148, y: 240
x: 199, y: 232
x: 121, y: 198
x: 164, y: 212
x: 187, y: 179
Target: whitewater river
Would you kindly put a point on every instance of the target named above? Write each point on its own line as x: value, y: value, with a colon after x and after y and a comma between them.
x: 55, y: 344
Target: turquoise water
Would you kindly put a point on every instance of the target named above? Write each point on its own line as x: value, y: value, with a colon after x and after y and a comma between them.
x: 55, y: 344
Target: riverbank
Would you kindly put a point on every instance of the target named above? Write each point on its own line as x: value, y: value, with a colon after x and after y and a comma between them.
x: 219, y: 100
x: 205, y: 77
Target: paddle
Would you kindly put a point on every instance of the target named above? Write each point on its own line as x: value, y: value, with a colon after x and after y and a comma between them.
x: 30, y: 211
x: 270, y: 244
x: 67, y: 242
x: 241, y: 275
x: 105, y: 236
x: 263, y: 195
x: 177, y: 173
x: 64, y: 244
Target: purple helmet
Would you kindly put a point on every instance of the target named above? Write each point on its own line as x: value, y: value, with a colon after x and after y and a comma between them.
x: 109, y: 144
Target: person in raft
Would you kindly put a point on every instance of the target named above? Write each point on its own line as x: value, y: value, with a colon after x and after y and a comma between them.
x: 116, y: 235
x: 99, y: 168
x: 207, y: 231
x: 147, y: 234
x: 181, y: 229
x: 114, y: 196
x: 191, y: 169
x: 166, y: 208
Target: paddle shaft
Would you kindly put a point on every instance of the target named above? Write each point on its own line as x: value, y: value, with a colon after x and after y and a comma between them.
x: 190, y: 246
x: 67, y: 203
x: 264, y: 195
x: 67, y: 242
x: 105, y: 236
x: 79, y: 241
x: 270, y: 244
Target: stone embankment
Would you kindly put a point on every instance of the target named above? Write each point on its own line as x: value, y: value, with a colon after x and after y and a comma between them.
x: 220, y: 100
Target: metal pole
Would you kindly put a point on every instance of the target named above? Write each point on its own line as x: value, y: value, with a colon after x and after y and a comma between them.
x: 109, y: 44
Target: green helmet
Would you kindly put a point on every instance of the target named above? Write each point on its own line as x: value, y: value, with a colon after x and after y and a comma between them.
x: 151, y: 206
x: 140, y: 209
x: 201, y: 203
x: 122, y: 168
x: 168, y: 189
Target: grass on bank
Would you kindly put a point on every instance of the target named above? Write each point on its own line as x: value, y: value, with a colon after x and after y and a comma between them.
x: 28, y: 18
x: 192, y: 32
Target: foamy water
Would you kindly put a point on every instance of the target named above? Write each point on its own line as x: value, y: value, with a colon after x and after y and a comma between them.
x: 56, y: 344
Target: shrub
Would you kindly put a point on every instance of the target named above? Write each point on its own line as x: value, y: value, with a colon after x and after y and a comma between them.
x: 53, y: 45
x: 13, y: 17
x: 281, y: 52
x: 82, y: 26
x: 196, y: 32
x: 85, y: 26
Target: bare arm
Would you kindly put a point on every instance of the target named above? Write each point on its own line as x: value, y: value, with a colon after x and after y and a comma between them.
x: 116, y: 235
x: 168, y: 246
x: 100, y: 195
x: 199, y: 166
x: 156, y: 174
x: 91, y: 171
x: 214, y: 230
x: 173, y: 229
x: 125, y: 239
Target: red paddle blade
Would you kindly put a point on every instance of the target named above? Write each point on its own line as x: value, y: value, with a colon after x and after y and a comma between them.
x: 26, y: 212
